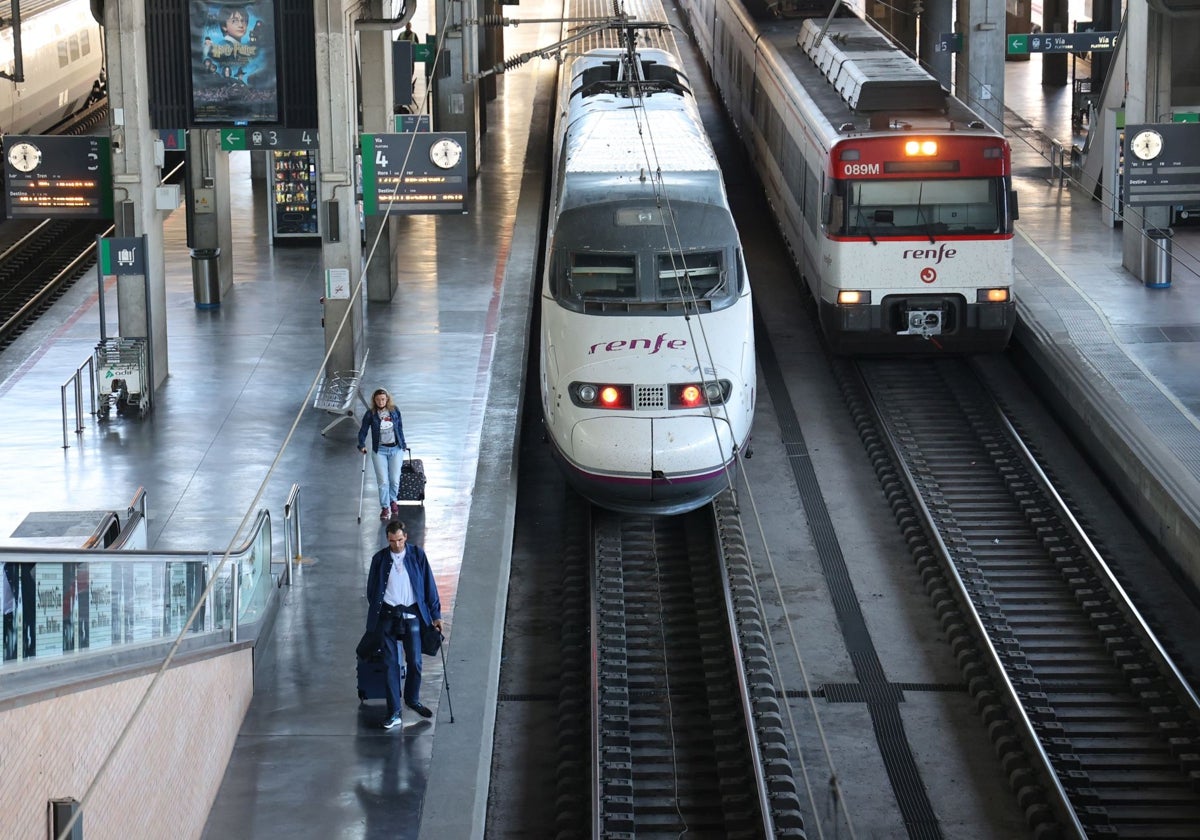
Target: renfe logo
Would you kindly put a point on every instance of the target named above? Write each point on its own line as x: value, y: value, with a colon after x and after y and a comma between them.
x: 638, y: 344
x: 931, y: 254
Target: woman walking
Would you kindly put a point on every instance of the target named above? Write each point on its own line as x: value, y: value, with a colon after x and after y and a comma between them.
x: 387, y: 446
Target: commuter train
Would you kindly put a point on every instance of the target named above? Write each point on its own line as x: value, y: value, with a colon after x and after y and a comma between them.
x: 647, y: 345
x: 895, y: 198
x: 62, y: 49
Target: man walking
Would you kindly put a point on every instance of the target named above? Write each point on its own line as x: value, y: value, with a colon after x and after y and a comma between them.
x: 402, y: 594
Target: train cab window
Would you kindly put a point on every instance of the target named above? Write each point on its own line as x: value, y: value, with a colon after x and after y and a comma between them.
x: 926, y: 207
x: 600, y: 277
x: 689, y: 276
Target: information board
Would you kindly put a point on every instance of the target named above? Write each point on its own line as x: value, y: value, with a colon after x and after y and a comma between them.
x: 413, y: 173
x: 48, y: 177
x: 1062, y: 42
x: 1162, y: 164
x: 275, y: 139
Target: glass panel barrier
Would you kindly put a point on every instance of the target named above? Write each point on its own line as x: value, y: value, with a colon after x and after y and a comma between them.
x: 60, y: 602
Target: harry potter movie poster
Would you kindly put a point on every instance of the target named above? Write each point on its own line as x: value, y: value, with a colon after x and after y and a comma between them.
x: 233, y: 62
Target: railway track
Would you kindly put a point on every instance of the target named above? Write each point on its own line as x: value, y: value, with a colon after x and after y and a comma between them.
x: 1095, y: 729
x: 677, y: 708
x: 39, y: 266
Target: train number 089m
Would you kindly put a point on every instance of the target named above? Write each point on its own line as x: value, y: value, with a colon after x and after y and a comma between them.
x: 860, y: 169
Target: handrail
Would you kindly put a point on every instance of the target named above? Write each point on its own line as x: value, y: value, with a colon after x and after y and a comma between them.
x: 75, y: 377
x: 291, y: 511
x: 144, y: 595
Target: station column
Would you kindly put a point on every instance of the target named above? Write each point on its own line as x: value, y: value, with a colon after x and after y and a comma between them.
x: 141, y: 301
x: 1147, y: 100
x: 979, y: 77
x: 455, y: 89
x: 375, y: 45
x: 341, y: 247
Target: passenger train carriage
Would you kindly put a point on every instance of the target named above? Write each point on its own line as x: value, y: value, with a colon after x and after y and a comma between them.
x: 647, y: 345
x: 63, y: 54
x: 895, y: 198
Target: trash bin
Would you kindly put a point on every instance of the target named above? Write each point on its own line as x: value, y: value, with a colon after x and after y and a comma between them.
x: 206, y: 278
x: 1156, y: 258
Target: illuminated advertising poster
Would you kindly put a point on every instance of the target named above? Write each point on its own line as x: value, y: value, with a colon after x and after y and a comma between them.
x: 234, y: 77
x: 101, y: 612
x: 48, y: 581
x: 178, y: 607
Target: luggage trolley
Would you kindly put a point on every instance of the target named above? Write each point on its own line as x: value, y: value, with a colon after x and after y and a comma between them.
x: 120, y: 376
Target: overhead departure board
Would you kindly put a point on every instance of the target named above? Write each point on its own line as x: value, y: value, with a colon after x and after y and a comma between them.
x: 420, y: 172
x: 57, y: 177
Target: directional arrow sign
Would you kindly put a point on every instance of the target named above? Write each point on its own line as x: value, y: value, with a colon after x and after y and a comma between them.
x: 1018, y: 44
x: 233, y: 139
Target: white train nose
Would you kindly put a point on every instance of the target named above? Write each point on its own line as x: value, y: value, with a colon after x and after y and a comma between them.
x: 642, y: 448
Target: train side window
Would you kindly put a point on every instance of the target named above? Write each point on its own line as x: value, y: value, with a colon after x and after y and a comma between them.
x: 85, y: 43
x: 64, y: 54
x: 602, y: 276
x: 74, y: 44
x: 701, y: 271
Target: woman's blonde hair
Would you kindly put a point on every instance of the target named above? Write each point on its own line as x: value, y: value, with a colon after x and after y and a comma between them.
x: 391, y: 406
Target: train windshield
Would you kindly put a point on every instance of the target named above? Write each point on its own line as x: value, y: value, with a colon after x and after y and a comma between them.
x: 590, y: 281
x: 913, y: 207
x: 687, y: 276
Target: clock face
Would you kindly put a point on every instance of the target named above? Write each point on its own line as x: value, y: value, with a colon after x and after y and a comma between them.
x: 1146, y: 144
x: 24, y: 156
x: 445, y: 153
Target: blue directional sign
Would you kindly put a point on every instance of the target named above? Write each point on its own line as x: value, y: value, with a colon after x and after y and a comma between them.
x: 1062, y: 42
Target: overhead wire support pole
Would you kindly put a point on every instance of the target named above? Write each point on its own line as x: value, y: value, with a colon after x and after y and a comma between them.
x: 595, y: 25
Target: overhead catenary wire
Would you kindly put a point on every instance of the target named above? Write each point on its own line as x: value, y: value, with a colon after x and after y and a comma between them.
x: 202, y: 598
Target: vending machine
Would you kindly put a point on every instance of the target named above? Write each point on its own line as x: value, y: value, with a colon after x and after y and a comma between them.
x: 294, y: 195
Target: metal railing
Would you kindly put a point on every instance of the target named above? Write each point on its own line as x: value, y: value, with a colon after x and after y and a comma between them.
x: 291, y: 519
x: 81, y: 601
x: 77, y: 380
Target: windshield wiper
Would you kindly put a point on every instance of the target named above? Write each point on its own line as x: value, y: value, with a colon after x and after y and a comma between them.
x: 863, y: 221
x: 921, y: 214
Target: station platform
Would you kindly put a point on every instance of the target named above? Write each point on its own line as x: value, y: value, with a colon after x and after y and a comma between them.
x: 452, y: 345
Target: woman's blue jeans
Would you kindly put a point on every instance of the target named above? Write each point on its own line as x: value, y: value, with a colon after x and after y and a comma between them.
x: 387, y: 462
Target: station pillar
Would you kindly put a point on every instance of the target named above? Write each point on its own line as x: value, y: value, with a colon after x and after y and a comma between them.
x: 1147, y: 100
x: 455, y: 86
x: 141, y: 300
x: 375, y: 46
x: 979, y: 77
x: 337, y: 124
x: 210, y: 225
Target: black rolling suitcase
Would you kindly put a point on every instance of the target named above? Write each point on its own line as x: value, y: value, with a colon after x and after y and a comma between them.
x: 372, y: 678
x: 412, y: 480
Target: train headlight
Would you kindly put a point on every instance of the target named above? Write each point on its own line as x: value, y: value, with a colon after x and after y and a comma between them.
x: 852, y: 297
x: 594, y: 395
x: 698, y: 394
x: 991, y: 296
x: 921, y: 148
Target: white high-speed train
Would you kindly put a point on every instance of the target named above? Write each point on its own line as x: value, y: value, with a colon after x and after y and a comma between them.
x: 894, y: 197
x: 63, y: 53
x: 647, y: 340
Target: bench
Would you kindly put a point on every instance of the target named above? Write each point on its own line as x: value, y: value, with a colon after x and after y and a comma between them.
x: 336, y: 393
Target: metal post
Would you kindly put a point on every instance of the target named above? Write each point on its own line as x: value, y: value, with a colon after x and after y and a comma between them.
x: 63, y: 390
x: 235, y: 573
x: 90, y: 364
x: 78, y: 404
